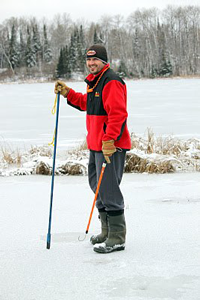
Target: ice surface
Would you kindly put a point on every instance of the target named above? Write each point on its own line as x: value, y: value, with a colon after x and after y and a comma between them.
x: 168, y: 106
x: 161, y: 259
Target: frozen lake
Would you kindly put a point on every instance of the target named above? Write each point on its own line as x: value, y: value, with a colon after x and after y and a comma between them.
x: 168, y: 106
x: 161, y: 260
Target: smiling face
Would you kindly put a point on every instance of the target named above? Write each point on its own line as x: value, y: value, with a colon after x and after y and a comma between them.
x: 94, y: 65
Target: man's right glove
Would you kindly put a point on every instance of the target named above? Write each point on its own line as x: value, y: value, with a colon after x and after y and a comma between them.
x: 108, y: 148
x: 61, y: 87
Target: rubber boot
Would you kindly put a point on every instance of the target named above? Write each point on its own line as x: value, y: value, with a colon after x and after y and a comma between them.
x: 100, y: 238
x: 116, y: 235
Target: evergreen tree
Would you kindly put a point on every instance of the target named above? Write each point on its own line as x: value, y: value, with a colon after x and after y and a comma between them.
x: 122, y: 69
x: 30, y: 54
x: 73, y: 52
x: 22, y: 47
x: 60, y: 71
x: 13, y: 49
x: 76, y: 51
x: 63, y: 66
x: 47, y: 53
x: 165, y: 67
x: 67, y: 71
x: 36, y: 45
x: 7, y: 51
x: 153, y: 72
x: 72, y: 58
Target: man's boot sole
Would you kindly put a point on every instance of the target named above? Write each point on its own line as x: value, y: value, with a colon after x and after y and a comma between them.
x: 108, y: 249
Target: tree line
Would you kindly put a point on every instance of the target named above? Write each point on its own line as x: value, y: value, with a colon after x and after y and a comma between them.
x: 149, y: 43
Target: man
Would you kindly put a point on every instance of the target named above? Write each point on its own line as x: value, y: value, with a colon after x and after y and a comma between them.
x: 107, y: 139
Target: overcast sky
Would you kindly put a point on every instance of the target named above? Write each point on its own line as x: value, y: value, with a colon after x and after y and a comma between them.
x: 80, y: 9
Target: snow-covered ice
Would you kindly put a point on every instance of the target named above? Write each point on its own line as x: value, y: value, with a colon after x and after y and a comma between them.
x: 162, y: 257
x: 161, y: 260
x: 168, y: 106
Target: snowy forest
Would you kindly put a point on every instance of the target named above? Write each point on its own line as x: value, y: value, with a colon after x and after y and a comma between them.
x: 149, y: 43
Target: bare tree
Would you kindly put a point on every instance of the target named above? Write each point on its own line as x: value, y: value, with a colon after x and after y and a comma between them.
x: 149, y: 43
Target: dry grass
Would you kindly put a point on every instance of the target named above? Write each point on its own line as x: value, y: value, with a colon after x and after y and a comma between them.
x: 150, y: 141
x: 42, y: 151
x: 80, y: 149
x: 11, y: 157
x: 82, y: 146
x: 80, y: 152
x: 170, y: 146
x: 161, y: 145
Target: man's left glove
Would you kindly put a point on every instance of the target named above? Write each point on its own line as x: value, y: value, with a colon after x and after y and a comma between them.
x: 108, y: 148
x: 61, y: 87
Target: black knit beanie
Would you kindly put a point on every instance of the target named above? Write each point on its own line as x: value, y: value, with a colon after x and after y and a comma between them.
x: 98, y: 51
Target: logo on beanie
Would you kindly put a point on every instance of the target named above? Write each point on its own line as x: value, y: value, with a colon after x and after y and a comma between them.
x: 91, y: 52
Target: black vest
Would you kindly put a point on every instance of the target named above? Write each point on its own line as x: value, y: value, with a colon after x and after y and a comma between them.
x: 94, y: 99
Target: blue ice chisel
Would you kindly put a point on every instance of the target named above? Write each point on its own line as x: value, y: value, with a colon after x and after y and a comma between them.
x: 53, y: 173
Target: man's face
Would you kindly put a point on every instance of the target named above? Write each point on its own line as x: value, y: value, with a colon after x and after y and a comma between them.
x: 94, y: 65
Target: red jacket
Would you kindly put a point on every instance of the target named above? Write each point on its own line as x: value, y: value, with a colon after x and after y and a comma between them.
x: 106, y: 110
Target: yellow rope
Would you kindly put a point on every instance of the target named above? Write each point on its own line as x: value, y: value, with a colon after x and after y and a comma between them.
x: 52, y: 142
x: 53, y: 111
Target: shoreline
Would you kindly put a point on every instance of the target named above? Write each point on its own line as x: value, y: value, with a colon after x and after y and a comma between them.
x: 46, y: 80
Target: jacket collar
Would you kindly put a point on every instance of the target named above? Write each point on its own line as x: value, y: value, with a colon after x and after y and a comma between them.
x: 91, y: 78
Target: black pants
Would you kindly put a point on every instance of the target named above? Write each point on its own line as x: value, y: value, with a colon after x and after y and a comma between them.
x: 110, y: 197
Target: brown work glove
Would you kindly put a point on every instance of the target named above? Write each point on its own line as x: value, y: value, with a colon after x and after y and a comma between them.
x: 61, y: 87
x: 108, y: 148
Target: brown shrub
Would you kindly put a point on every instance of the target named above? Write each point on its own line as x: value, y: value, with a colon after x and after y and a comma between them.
x: 43, y: 169
x: 137, y: 164
x: 72, y: 169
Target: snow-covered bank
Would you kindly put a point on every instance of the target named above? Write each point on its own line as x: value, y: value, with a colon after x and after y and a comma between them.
x: 170, y: 107
x: 151, y: 155
x: 161, y: 260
